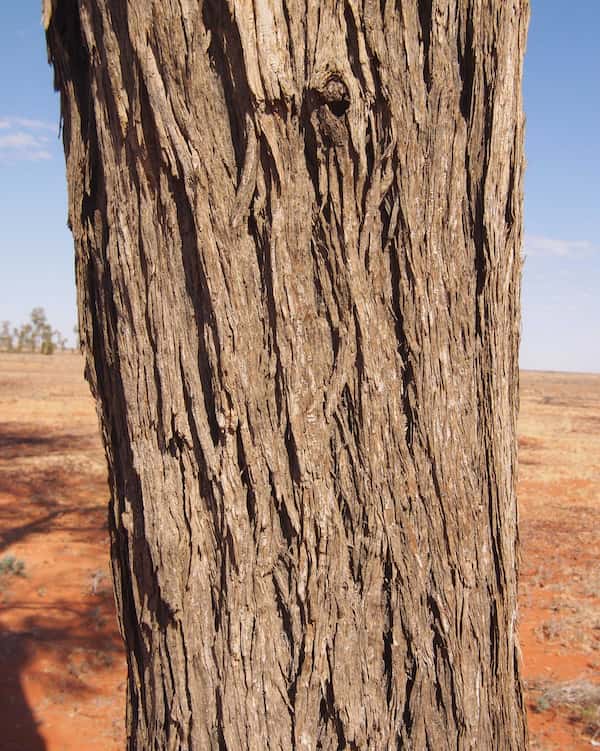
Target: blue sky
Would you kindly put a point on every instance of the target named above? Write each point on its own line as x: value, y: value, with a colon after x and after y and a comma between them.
x: 561, y: 281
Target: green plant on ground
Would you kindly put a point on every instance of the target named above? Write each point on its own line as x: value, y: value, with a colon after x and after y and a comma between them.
x: 11, y: 566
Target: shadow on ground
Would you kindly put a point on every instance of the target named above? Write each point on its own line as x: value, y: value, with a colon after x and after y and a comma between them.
x: 58, y: 633
x: 18, y: 727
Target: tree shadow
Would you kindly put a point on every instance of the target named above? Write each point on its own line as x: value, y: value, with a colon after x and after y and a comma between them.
x: 52, y: 483
x: 18, y: 726
x: 82, y: 641
x: 28, y: 441
x: 42, y: 495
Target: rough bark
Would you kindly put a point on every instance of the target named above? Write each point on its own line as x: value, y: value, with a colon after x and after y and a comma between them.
x: 297, y: 230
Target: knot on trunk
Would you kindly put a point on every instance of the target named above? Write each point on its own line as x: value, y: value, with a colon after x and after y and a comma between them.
x: 336, y: 97
x: 329, y: 104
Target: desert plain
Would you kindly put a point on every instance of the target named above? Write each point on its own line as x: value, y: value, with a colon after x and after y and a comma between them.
x: 62, y: 667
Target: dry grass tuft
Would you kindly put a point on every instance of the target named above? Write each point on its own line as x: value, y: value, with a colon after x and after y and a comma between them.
x: 580, y: 698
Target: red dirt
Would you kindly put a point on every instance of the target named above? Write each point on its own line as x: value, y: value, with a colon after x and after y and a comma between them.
x: 62, y: 676
x: 62, y: 672
x: 559, y: 503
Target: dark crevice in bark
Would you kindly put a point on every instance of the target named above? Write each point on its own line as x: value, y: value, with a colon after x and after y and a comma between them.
x: 118, y: 14
x: 311, y: 148
x: 362, y: 199
x: 197, y: 289
x: 206, y: 489
x: 478, y: 169
x: 494, y: 625
x: 352, y: 46
x: 292, y: 455
x: 187, y: 510
x: 281, y: 599
x: 71, y: 64
x: 425, y: 18
x: 339, y: 108
x: 160, y: 426
x: 221, y: 596
x: 149, y: 150
x: 346, y: 514
x: 99, y: 60
x: 443, y: 667
x: 496, y: 554
x: 270, y: 173
x: 408, y: 375
x: 290, y: 40
x: 509, y: 208
x: 220, y: 721
x: 348, y: 403
x: 216, y: 610
x: 246, y: 480
x: 287, y: 528
x: 293, y: 686
x: 227, y: 57
x: 386, y: 209
x: 260, y: 242
x: 321, y: 258
x: 466, y: 62
x: 326, y: 212
x: 360, y: 370
x: 285, y: 523
x: 268, y: 274
x: 369, y: 151
x: 230, y: 547
x: 388, y: 635
x: 410, y: 670
x: 328, y: 714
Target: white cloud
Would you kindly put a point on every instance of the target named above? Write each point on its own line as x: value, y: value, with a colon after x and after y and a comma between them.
x: 17, y: 140
x: 539, y: 245
x: 25, y: 122
x: 23, y: 138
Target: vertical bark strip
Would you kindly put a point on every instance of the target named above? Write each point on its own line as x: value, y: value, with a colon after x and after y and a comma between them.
x: 297, y: 230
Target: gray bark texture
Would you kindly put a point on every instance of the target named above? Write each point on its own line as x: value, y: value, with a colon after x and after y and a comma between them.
x: 297, y: 228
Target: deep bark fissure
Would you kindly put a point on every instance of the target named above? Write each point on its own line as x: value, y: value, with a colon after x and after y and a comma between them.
x: 425, y: 18
x: 199, y: 295
x: 226, y: 56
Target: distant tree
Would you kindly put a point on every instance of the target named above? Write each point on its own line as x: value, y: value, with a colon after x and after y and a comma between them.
x: 25, y: 338
x: 6, y: 337
x: 40, y: 327
x: 61, y: 341
x: 47, y: 345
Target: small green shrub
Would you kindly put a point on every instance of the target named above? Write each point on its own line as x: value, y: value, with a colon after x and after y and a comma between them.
x: 11, y: 566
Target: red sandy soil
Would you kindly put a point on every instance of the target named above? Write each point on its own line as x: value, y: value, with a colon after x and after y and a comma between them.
x: 559, y: 506
x: 62, y: 669
x: 62, y: 672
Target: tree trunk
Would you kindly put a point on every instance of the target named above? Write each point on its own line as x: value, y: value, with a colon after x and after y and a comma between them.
x: 297, y: 230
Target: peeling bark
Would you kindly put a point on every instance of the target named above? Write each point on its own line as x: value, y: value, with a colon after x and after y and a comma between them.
x: 297, y: 231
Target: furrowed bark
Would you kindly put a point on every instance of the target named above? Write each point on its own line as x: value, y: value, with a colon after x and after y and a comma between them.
x: 297, y: 231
